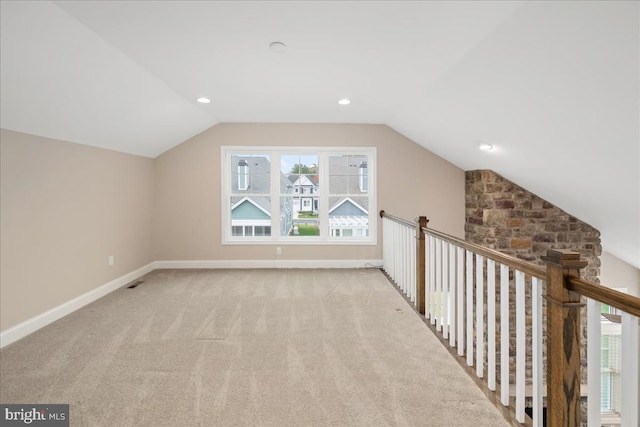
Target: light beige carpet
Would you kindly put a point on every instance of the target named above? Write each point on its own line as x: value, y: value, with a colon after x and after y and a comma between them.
x: 246, y: 347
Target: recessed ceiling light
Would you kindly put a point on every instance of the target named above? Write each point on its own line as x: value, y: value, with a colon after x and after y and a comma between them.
x: 278, y: 47
x: 486, y: 147
x: 203, y: 100
x: 344, y: 101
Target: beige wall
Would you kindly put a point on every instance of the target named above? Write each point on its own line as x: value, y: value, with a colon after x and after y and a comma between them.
x: 615, y: 273
x: 65, y: 208
x: 411, y: 181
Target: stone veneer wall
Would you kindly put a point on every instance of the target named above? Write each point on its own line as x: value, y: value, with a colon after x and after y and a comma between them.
x: 503, y: 216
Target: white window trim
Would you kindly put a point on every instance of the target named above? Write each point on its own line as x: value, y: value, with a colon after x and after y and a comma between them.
x: 275, y: 153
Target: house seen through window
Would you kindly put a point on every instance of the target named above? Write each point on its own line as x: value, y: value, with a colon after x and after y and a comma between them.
x: 298, y: 195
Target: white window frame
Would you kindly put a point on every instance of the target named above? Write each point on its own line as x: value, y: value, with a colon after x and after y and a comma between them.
x: 275, y: 154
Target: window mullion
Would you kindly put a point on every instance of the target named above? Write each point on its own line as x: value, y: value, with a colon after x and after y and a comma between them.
x: 275, y: 195
x: 323, y: 196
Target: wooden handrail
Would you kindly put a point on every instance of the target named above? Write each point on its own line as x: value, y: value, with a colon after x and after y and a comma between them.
x: 511, y: 261
x: 624, y: 302
x: 399, y: 220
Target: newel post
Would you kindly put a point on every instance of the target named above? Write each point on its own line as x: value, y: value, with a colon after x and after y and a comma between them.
x: 563, y: 339
x: 421, y: 222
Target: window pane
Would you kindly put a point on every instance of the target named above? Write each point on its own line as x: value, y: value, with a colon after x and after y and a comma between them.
x: 605, y: 392
x: 262, y: 230
x: 248, y: 212
x: 299, y: 164
x: 350, y: 215
x: 339, y: 164
x: 348, y: 174
x: 338, y: 172
x: 301, y: 171
x: 305, y: 228
x: 251, y: 174
x: 338, y: 184
x: 286, y: 215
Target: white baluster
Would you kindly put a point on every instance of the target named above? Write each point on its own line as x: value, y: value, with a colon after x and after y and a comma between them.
x: 392, y: 250
x: 412, y: 264
x: 432, y: 263
x: 445, y: 290
x: 385, y: 246
x: 427, y: 277
x: 629, y: 369
x: 396, y: 252
x: 491, y: 324
x: 479, y: 316
x: 460, y: 310
x: 469, y: 289
x: 504, y: 334
x: 407, y: 262
x: 536, y: 313
x: 439, y: 284
x: 521, y: 350
x: 414, y: 261
x: 594, y: 379
x: 402, y: 260
x: 452, y: 294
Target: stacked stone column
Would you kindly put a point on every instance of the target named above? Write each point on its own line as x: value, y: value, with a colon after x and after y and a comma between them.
x: 504, y: 216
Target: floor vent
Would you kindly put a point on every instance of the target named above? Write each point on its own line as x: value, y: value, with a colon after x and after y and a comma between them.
x: 135, y: 284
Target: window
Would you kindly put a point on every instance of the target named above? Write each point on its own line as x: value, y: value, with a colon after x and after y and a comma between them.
x: 323, y: 195
x: 610, y: 359
x: 610, y: 373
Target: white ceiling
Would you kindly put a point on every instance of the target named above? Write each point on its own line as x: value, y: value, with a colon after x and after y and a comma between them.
x: 554, y: 86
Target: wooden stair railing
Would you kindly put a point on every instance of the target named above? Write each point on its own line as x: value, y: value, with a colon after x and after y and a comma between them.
x: 444, y: 271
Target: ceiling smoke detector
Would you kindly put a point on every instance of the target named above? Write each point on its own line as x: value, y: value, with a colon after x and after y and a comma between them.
x: 278, y: 47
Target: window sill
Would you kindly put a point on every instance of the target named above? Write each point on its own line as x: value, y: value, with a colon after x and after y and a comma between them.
x: 301, y: 242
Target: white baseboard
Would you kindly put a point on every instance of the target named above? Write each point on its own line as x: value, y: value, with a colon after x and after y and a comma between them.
x: 271, y: 263
x: 31, y: 325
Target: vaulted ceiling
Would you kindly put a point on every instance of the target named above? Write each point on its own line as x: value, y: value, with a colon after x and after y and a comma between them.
x: 553, y: 86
